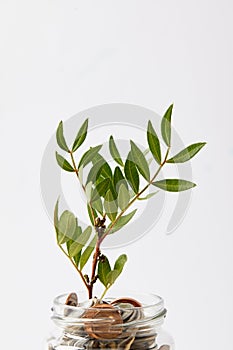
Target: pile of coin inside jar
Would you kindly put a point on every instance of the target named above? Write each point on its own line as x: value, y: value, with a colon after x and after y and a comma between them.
x: 118, y: 324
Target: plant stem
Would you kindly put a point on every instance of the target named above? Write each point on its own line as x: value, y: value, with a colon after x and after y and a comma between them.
x: 95, y: 259
x: 104, y: 293
x: 94, y: 265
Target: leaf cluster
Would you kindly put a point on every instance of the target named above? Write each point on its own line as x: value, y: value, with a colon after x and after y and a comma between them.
x: 106, y: 274
x: 79, y: 243
x: 111, y: 191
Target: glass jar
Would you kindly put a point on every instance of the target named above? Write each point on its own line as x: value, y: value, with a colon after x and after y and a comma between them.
x: 126, y: 321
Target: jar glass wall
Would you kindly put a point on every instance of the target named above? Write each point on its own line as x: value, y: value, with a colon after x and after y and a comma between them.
x: 126, y: 321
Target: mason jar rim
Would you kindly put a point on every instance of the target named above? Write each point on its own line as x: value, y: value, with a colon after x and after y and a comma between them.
x: 156, y: 303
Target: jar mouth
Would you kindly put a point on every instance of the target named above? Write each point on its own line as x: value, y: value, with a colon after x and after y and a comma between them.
x: 152, y: 304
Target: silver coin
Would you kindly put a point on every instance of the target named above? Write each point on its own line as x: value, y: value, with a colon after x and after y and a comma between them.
x: 126, y: 343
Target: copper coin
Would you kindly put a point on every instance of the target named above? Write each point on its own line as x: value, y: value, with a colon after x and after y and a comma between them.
x: 108, y: 322
x: 72, y: 299
x: 131, y: 301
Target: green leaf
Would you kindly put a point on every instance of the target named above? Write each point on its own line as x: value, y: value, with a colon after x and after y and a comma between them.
x: 93, y: 174
x: 64, y: 164
x: 56, y: 219
x: 153, y: 142
x: 111, y: 277
x: 77, y: 246
x: 77, y: 257
x: 187, y: 153
x: 76, y: 235
x: 174, y: 185
x: 88, y: 156
x: 99, y: 180
x: 122, y: 221
x: 87, y: 253
x: 105, y: 171
x: 66, y: 227
x: 68, y: 244
x: 98, y: 205
x: 148, y: 196
x: 113, y: 190
x: 140, y: 161
x: 131, y: 173
x: 90, y: 213
x: 123, y: 197
x: 114, y: 151
x: 60, y: 137
x: 88, y: 191
x: 118, y: 179
x: 166, y: 126
x: 110, y: 206
x: 118, y: 267
x: 120, y: 263
x: 100, y: 190
x: 80, y: 174
x: 82, y: 133
x: 97, y: 158
x: 100, y: 169
x: 103, y: 269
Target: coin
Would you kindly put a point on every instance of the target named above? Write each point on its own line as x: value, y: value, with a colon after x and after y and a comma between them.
x: 131, y: 301
x: 108, y: 322
x: 126, y: 343
x: 72, y: 299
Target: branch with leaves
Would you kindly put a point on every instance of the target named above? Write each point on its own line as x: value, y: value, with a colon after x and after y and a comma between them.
x: 110, y: 193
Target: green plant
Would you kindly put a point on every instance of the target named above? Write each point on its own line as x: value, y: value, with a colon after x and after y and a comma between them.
x: 110, y: 193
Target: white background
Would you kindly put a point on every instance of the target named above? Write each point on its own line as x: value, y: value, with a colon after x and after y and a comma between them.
x: 60, y: 57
